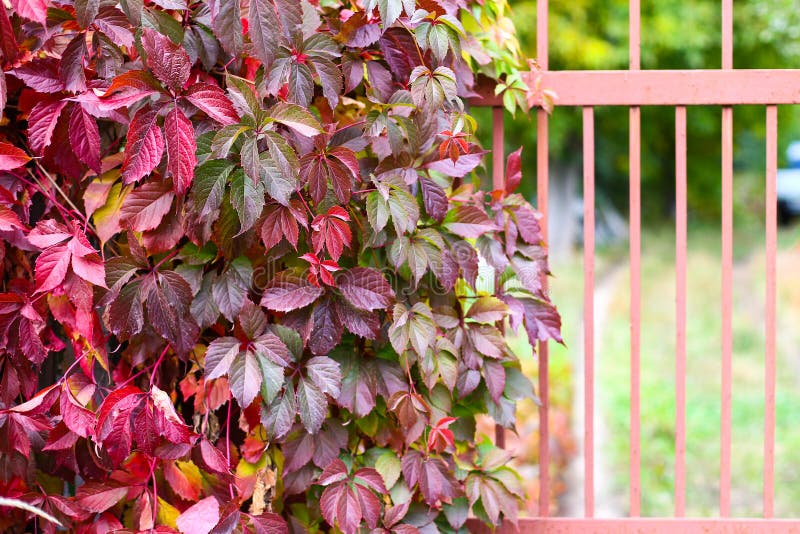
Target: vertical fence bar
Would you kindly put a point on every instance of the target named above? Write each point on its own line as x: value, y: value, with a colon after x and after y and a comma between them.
x: 680, y: 311
x: 634, y: 146
x: 498, y: 182
x: 727, y: 308
x: 542, y: 178
x: 498, y: 148
x: 588, y: 306
x: 727, y: 270
x: 727, y: 34
x: 769, y: 357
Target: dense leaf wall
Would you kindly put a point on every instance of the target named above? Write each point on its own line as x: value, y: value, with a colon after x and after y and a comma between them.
x: 249, y: 284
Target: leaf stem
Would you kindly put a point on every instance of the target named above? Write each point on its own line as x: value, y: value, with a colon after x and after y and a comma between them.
x: 157, y: 364
x: 75, y: 209
x: 165, y: 259
x: 414, y: 38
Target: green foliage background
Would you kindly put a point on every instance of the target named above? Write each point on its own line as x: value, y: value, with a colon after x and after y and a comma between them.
x: 676, y: 34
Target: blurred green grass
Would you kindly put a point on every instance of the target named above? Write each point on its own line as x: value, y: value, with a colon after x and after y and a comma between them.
x: 703, y: 372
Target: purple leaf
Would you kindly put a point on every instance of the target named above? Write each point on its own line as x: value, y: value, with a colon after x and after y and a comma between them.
x: 71, y: 67
x: 169, y: 62
x: 287, y: 292
x: 468, y: 221
x: 365, y: 288
x: 41, y: 75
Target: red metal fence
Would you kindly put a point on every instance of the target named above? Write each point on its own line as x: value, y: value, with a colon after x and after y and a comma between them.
x: 634, y: 88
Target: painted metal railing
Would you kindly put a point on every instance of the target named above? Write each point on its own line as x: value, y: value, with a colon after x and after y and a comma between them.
x: 633, y: 88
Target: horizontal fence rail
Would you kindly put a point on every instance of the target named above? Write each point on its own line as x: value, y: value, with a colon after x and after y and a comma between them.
x: 666, y: 87
x: 642, y: 525
x: 634, y: 88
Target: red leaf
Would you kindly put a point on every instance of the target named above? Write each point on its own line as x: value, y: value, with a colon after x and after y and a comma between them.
x: 144, y: 148
x: 169, y: 62
x: 12, y: 157
x: 75, y: 416
x: 468, y: 221
x: 441, y: 437
x: 35, y: 10
x: 513, y: 171
x: 334, y: 472
x: 369, y: 504
x: 99, y: 497
x: 188, y: 489
x: 60, y: 438
x: 332, y: 232
x: 113, y: 22
x: 199, y: 518
x: 326, y: 328
x: 8, y: 44
x: 128, y: 88
x: 145, y: 207
x: 264, y: 31
x: 542, y: 320
x: 311, y: 404
x: 167, y: 421
x: 48, y: 233
x: 86, y: 262
x: 282, y: 222
x: 213, y: 457
x: 71, y: 67
x: 42, y: 122
x: 181, y: 148
x: 369, y: 477
x: 213, y: 102
x: 51, y: 268
x: 84, y: 136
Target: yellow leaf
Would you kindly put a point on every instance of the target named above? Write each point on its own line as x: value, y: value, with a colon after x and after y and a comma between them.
x: 167, y: 514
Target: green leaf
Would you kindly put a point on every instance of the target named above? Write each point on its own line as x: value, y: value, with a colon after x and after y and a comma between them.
x: 415, y: 326
x: 388, y: 465
x: 225, y: 138
x: 244, y: 99
x: 247, y: 198
x: 208, y: 188
x: 272, y: 378
x: 377, y: 211
x: 295, y: 117
x: 312, y: 405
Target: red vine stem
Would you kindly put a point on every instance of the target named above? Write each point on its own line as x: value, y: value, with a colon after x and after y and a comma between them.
x: 157, y: 364
x: 228, y: 444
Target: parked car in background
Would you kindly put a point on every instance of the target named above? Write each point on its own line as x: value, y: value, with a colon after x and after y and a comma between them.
x: 789, y: 185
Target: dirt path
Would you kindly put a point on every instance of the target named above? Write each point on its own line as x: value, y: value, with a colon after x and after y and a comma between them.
x: 607, y: 504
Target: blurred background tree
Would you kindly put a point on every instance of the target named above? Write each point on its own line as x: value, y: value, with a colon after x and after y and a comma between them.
x: 593, y: 34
